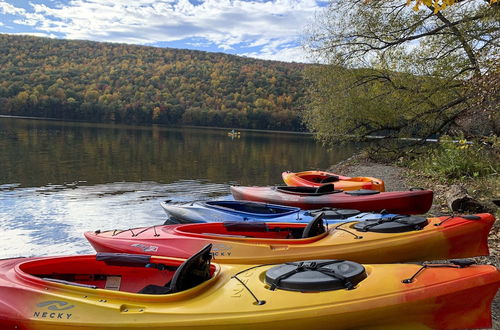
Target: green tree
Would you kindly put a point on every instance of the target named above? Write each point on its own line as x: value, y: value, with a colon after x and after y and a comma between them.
x: 394, y: 71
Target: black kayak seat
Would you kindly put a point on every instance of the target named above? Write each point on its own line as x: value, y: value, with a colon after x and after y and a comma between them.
x: 396, y: 224
x: 315, y: 275
x: 190, y: 273
x: 315, y: 227
x: 362, y: 192
x: 330, y: 178
x: 326, y: 188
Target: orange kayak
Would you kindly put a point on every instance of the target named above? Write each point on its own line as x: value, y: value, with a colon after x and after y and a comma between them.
x: 110, y: 291
x: 379, y: 241
x: 319, y: 178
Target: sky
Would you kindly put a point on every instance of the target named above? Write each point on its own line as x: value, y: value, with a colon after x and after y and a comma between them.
x: 255, y: 28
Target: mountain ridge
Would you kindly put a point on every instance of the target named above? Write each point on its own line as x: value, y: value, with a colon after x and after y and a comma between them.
x: 135, y: 84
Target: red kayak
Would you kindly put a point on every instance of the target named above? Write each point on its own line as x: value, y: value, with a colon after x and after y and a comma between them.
x: 403, y: 202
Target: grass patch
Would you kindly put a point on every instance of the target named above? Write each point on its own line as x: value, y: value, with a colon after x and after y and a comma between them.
x: 452, y: 160
x: 475, y: 166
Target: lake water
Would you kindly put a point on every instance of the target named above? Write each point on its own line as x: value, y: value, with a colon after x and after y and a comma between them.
x: 59, y: 179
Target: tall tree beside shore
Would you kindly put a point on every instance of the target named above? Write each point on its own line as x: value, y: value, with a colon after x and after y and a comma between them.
x: 416, y: 72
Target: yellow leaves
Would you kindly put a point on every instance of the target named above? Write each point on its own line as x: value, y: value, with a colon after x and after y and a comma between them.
x: 22, y: 97
x: 156, y: 113
x: 438, y: 5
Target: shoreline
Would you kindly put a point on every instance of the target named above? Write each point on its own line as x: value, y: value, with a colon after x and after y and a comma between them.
x: 152, y: 126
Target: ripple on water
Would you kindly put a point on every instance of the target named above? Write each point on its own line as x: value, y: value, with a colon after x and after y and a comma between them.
x: 50, y: 220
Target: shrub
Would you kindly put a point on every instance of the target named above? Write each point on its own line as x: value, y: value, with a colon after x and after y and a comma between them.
x: 455, y: 159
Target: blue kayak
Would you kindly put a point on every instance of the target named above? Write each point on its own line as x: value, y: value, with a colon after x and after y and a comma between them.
x: 222, y: 211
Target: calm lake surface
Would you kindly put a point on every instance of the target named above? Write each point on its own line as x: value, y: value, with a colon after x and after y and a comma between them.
x: 59, y: 179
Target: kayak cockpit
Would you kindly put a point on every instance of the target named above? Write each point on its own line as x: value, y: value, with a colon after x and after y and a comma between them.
x: 123, y: 272
x: 309, y: 191
x: 326, y: 177
x: 253, y: 208
x: 238, y: 230
x: 320, y: 177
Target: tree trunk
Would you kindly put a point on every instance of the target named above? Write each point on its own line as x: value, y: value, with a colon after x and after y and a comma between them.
x: 459, y: 200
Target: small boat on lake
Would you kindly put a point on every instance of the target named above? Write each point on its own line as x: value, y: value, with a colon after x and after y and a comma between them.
x: 234, y: 134
x: 402, y: 202
x: 221, y: 211
x: 397, y: 239
x: 121, y: 291
x: 319, y: 178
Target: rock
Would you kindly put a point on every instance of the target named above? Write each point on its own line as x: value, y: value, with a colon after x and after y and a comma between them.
x: 459, y: 200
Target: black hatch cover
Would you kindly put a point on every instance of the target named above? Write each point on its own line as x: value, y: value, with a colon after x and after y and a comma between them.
x: 315, y: 275
x: 362, y: 192
x: 397, y: 224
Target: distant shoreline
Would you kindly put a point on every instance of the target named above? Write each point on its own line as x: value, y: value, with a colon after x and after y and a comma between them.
x: 372, y: 137
x: 159, y: 125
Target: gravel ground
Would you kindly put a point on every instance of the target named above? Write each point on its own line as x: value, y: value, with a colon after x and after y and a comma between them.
x: 397, y: 178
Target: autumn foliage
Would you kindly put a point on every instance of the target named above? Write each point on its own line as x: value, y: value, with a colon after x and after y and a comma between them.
x: 103, y: 82
x: 438, y: 5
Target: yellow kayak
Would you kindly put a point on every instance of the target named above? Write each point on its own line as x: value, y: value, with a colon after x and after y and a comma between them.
x: 120, y: 291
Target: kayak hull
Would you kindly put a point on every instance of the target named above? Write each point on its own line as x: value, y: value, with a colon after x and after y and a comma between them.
x: 314, y: 178
x: 444, y: 298
x: 223, y: 211
x: 402, y: 202
x: 441, y: 238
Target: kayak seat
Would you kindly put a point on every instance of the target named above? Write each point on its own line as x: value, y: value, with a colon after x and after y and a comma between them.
x: 315, y: 227
x: 190, y: 273
x: 330, y: 178
x: 156, y: 289
x: 325, y: 188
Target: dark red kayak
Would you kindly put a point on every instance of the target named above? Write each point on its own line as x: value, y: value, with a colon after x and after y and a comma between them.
x: 403, y: 202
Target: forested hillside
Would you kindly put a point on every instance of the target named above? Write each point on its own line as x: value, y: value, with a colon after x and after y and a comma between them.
x: 103, y: 82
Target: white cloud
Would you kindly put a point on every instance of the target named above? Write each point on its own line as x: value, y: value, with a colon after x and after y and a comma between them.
x: 225, y: 23
x: 280, y: 51
x: 7, y: 8
x: 36, y: 34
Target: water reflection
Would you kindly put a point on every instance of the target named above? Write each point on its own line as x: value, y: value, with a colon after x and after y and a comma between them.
x: 51, y: 219
x: 60, y: 179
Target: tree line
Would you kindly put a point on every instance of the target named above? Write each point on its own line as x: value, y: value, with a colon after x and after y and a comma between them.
x: 105, y: 82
